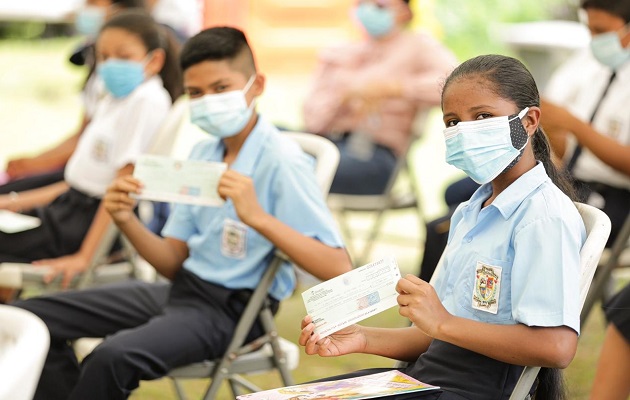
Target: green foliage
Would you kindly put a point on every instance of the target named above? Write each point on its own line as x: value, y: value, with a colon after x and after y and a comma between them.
x: 469, y: 26
x: 21, y: 30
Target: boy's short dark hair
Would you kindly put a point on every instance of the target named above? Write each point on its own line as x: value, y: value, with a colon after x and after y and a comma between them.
x: 130, y: 3
x: 620, y: 8
x: 216, y: 44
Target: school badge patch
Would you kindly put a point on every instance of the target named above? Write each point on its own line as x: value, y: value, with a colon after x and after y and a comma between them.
x: 234, y: 239
x: 487, y: 287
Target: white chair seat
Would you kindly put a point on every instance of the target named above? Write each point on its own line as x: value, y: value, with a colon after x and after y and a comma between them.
x: 371, y: 202
x: 257, y: 361
x: 24, y: 341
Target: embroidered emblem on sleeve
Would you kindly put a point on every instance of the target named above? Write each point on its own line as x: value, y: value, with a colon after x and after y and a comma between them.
x: 485, y: 296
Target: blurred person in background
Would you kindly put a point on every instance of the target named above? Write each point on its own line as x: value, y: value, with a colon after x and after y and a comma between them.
x: 182, y: 18
x: 587, y: 120
x: 139, y: 69
x: 587, y: 113
x: 47, y: 167
x: 365, y: 95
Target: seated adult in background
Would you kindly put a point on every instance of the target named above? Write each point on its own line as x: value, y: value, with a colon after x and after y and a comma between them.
x: 365, y: 95
x: 613, y: 368
x: 140, y: 71
x: 272, y: 201
x: 587, y: 120
x: 30, y: 172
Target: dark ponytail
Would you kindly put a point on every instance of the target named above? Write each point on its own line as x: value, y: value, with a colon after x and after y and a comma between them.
x: 512, y: 81
x: 550, y: 385
x: 154, y: 36
x: 559, y: 176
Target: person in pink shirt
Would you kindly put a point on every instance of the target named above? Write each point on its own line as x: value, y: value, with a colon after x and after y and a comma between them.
x: 364, y: 95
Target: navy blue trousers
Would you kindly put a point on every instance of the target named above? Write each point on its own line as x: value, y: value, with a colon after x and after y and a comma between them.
x: 149, y: 329
x: 362, y: 176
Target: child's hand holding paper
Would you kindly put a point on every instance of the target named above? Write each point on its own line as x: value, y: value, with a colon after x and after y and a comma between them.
x: 353, y: 296
x: 179, y: 181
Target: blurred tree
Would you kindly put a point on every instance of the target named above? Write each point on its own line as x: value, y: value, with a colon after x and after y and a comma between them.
x: 467, y: 26
x: 21, y: 29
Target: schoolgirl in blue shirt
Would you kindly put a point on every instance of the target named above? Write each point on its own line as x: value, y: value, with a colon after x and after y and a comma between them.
x: 507, y: 295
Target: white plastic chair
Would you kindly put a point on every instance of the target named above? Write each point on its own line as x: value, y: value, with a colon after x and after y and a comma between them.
x: 24, y: 342
x: 597, y: 231
x: 379, y: 204
x: 270, y: 352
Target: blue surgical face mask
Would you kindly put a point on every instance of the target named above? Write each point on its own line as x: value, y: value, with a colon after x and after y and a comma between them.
x: 121, y: 77
x: 224, y: 114
x: 485, y: 148
x: 377, y: 21
x: 607, y: 49
x: 89, y: 20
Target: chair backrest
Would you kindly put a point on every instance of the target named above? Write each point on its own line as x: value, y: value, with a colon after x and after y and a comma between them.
x: 597, y: 226
x: 325, y: 153
x: 24, y: 342
x: 168, y: 132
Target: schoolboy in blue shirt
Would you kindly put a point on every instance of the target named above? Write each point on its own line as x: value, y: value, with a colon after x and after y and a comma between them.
x: 215, y: 256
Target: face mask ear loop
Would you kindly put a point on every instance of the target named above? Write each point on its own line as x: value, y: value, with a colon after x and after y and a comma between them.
x: 625, y: 30
x: 249, y: 84
x: 520, y: 116
x: 145, y: 62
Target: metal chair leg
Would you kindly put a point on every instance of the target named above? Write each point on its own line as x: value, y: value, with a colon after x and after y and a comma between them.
x: 372, y: 236
x: 179, y: 389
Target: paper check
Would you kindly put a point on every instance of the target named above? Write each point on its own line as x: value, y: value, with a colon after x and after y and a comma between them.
x: 353, y: 296
x: 179, y: 181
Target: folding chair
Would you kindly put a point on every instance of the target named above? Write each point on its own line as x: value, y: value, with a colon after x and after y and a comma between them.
x: 391, y: 199
x: 597, y: 231
x: 269, y: 352
x: 24, y: 342
x: 618, y: 255
x: 597, y: 226
x: 102, y: 268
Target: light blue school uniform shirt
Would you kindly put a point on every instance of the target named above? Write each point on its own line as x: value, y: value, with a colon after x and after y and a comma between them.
x: 516, y: 260
x: 286, y: 188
